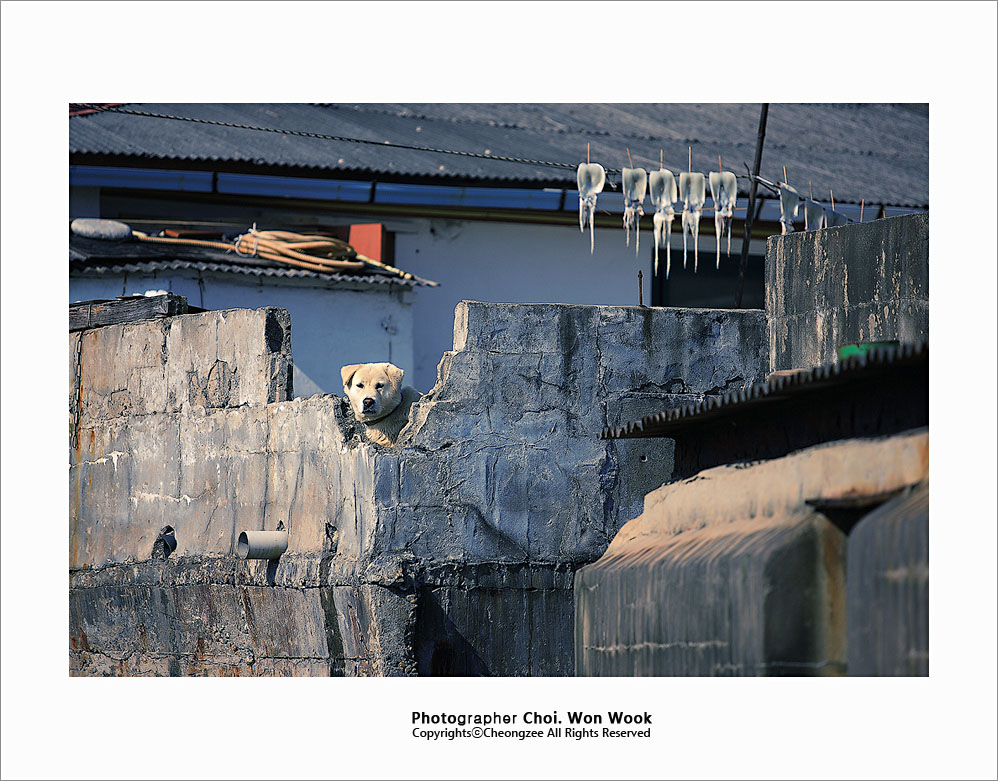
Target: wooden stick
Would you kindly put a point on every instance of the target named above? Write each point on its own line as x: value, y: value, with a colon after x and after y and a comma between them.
x: 719, y: 166
x: 810, y: 189
x: 832, y: 196
x: 861, y: 202
x: 785, y: 181
x: 750, y: 210
x: 630, y: 162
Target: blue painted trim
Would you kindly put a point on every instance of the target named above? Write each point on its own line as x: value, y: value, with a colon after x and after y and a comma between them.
x: 294, y: 187
x: 319, y: 189
x: 473, y: 197
x: 139, y: 178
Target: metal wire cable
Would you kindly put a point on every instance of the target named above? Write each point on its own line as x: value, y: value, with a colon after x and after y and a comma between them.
x: 346, y: 139
x: 327, y: 137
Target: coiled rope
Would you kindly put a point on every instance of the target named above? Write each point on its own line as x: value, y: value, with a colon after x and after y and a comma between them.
x: 322, y: 254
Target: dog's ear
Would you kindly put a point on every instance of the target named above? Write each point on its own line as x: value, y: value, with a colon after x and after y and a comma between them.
x: 394, y: 374
x: 347, y: 373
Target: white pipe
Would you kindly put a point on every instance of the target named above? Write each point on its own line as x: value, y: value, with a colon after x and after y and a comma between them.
x: 261, y: 545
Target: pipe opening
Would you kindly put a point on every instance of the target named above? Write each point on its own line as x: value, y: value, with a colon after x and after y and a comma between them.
x: 261, y: 544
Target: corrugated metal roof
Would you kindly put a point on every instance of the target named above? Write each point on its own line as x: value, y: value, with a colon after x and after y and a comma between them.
x: 876, y: 152
x: 664, y: 423
x: 97, y: 256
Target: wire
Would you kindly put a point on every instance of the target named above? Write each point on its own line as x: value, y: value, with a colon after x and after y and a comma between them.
x: 326, y: 137
x: 98, y: 108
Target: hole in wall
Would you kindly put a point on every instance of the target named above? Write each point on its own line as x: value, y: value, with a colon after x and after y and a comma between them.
x: 165, y: 544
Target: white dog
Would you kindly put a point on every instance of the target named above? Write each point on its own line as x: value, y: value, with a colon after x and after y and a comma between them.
x: 378, y: 399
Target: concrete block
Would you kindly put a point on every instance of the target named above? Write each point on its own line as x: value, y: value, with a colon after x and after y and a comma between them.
x: 887, y: 599
x: 121, y: 369
x: 866, y: 282
x: 191, y: 618
x: 466, y: 632
x: 229, y: 358
x: 732, y: 572
x: 751, y: 598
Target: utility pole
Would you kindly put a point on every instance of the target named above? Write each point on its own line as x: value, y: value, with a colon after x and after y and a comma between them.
x: 750, y: 211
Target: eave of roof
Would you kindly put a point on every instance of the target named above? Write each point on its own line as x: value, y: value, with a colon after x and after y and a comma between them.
x: 100, y: 257
x: 670, y: 421
x: 78, y: 268
x: 876, y: 153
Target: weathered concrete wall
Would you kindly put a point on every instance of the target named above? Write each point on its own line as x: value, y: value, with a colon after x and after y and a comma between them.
x: 513, y: 422
x: 855, y: 283
x: 453, y: 553
x: 335, y: 324
x: 503, y: 463
x: 732, y: 572
x: 888, y: 589
x: 185, y: 422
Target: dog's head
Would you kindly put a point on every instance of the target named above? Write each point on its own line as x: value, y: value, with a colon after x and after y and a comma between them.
x: 374, y: 389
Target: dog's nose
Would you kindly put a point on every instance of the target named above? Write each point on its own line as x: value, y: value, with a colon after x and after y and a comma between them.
x: 368, y: 403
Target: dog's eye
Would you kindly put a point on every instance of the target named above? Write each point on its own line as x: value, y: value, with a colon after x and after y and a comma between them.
x: 359, y: 385
x: 379, y: 386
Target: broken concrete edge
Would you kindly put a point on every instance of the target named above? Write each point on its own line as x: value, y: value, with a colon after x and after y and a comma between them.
x: 763, y: 489
x: 210, y: 360
x: 84, y: 315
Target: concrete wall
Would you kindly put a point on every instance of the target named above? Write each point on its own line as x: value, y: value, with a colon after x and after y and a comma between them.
x: 480, y: 260
x: 856, y: 283
x: 453, y: 553
x: 334, y: 326
x: 502, y: 262
x: 187, y: 422
x: 735, y: 571
x: 887, y: 597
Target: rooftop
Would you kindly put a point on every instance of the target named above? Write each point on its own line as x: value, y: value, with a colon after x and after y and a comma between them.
x: 102, y: 256
x: 863, y: 368
x: 872, y: 152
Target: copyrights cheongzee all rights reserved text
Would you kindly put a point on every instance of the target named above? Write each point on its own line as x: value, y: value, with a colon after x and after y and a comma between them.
x: 575, y: 725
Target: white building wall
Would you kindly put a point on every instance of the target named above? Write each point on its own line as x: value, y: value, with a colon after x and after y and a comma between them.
x: 515, y: 263
x: 330, y: 327
x: 498, y: 262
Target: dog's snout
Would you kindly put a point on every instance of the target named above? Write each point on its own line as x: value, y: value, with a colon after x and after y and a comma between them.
x: 368, y: 403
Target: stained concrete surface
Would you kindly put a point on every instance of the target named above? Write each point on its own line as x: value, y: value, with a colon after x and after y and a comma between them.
x: 855, y: 283
x: 733, y: 571
x: 401, y: 561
